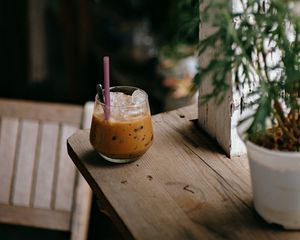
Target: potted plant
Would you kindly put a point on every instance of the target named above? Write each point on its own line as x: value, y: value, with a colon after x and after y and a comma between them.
x: 259, y: 46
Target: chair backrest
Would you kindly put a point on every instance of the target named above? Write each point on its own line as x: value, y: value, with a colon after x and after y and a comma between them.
x: 40, y: 185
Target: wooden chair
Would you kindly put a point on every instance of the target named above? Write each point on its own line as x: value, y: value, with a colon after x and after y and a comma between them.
x: 40, y: 185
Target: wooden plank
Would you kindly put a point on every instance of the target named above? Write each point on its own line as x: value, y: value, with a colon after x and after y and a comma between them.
x: 25, y: 163
x: 135, y: 194
x: 8, y: 141
x: 182, y: 188
x: 81, y: 210
x: 209, y: 153
x: 66, y: 173
x: 45, y: 165
x: 87, y: 115
x: 83, y: 193
x: 66, y: 113
x: 56, y: 220
x: 39, y: 152
x: 206, y: 111
x: 219, y: 120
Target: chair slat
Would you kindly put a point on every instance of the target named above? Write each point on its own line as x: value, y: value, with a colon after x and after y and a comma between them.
x: 45, y: 165
x: 8, y: 141
x: 25, y: 163
x: 39, y: 184
x: 35, y: 217
x: 43, y: 111
x: 81, y: 210
x: 87, y: 115
x: 66, y: 173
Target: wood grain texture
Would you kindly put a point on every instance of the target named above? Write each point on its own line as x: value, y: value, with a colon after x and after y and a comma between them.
x: 81, y: 210
x: 38, y: 180
x: 57, y: 112
x: 87, y: 115
x: 83, y: 193
x: 182, y: 188
x: 46, y: 165
x: 66, y: 173
x: 8, y: 141
x: 25, y: 163
x: 218, y: 120
x: 58, y: 220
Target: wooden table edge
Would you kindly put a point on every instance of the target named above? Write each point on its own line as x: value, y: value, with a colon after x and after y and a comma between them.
x: 103, y: 203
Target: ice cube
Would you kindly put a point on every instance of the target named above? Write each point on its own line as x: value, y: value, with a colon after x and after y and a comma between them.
x: 126, y: 107
x: 119, y: 99
x: 138, y: 97
x: 119, y: 103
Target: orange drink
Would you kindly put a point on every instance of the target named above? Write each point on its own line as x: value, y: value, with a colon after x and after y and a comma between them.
x: 127, y: 133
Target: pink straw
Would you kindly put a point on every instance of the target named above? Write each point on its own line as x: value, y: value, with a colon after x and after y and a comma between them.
x: 106, y: 87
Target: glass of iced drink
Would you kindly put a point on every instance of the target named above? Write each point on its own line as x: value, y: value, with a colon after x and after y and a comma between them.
x: 127, y: 133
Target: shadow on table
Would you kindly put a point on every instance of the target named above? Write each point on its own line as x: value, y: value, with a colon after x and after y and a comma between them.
x: 92, y: 158
x: 239, y: 219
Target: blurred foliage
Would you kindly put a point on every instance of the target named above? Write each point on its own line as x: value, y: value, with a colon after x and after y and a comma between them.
x: 181, y: 31
x: 175, y: 24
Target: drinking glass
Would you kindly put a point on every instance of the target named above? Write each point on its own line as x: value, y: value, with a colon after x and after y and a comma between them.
x: 122, y: 131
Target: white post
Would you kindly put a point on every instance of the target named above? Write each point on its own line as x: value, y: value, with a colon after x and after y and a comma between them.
x: 220, y: 120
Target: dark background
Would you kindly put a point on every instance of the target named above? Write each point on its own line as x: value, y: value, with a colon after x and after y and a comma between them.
x: 75, y: 35
x: 52, y: 50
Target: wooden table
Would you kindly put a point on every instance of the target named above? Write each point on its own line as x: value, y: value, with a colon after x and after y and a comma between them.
x: 184, y: 187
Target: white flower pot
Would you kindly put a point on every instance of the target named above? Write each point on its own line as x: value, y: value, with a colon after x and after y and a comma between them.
x: 275, y: 178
